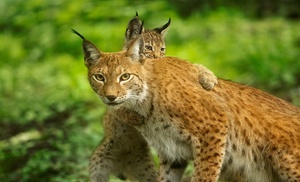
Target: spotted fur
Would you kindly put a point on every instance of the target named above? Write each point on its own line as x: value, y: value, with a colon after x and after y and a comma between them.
x: 232, y: 130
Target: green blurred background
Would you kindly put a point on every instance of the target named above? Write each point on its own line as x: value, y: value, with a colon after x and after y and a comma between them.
x: 50, y: 119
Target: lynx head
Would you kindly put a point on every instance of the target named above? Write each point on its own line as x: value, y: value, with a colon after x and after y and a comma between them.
x: 154, y: 43
x: 116, y: 77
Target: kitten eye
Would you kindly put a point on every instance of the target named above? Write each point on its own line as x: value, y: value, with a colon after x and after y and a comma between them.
x: 163, y: 49
x: 98, y: 77
x: 148, y: 47
x: 125, y: 77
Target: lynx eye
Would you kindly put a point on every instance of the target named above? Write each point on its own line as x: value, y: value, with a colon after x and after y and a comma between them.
x: 163, y: 49
x: 125, y: 77
x: 148, y: 47
x: 99, y: 77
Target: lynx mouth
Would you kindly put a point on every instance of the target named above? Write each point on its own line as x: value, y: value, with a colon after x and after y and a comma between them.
x: 114, y: 103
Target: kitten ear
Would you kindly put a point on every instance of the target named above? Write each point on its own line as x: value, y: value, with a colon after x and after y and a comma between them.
x: 134, y: 52
x: 90, y: 51
x: 134, y: 28
x: 163, y: 29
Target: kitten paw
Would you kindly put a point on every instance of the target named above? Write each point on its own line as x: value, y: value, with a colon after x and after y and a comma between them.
x: 207, y: 78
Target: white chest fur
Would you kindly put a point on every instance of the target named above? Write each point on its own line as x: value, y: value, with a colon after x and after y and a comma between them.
x: 164, y: 138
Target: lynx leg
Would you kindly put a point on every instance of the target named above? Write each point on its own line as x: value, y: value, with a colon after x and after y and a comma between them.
x: 101, y: 163
x: 287, y: 165
x: 139, y: 165
x: 208, y: 162
x: 123, y: 152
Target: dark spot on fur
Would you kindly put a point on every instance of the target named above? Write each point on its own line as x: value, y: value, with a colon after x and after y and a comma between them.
x: 234, y: 147
x: 167, y: 126
x: 230, y: 160
x: 243, y: 152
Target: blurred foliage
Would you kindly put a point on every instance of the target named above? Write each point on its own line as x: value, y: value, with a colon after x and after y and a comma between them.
x: 255, y: 8
x: 49, y: 117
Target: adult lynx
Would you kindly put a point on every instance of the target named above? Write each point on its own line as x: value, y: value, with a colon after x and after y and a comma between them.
x: 233, y: 130
x: 124, y: 151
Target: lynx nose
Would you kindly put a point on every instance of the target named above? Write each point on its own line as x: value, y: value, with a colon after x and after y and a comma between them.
x: 156, y: 56
x: 111, y: 97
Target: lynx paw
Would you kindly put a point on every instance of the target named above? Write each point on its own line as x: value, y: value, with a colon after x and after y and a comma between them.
x: 207, y: 78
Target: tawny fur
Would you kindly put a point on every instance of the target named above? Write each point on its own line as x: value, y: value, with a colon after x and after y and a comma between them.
x: 232, y: 130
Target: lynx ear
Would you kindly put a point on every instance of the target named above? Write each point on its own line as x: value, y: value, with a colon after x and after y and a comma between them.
x: 90, y: 51
x: 134, y: 52
x: 163, y: 29
x: 134, y: 28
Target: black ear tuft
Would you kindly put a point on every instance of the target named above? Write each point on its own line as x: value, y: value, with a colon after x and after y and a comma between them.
x: 90, y: 51
x: 163, y: 28
x: 77, y: 33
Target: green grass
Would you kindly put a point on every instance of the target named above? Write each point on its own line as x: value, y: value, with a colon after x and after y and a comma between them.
x: 50, y: 118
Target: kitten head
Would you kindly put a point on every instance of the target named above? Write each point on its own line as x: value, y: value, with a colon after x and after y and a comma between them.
x: 153, y: 39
